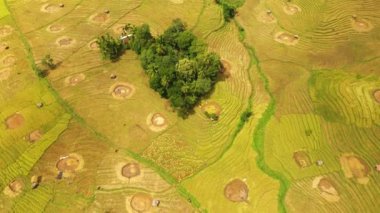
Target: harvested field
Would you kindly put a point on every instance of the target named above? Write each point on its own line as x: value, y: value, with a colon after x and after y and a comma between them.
x: 100, y: 18
x: 5, y: 30
x: 8, y: 60
x: 55, y: 28
x: 291, y: 9
x: 65, y: 42
x: 50, y: 8
x: 5, y: 73
x: 122, y: 90
x: 75, y: 79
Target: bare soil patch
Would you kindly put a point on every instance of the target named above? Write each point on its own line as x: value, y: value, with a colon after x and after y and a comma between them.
x: 70, y: 163
x: 93, y: 45
x: 5, y: 73
x: 74, y: 79
x: 355, y: 167
x: 361, y: 25
x: 212, y: 108
x: 236, y: 191
x: 65, y: 42
x: 291, y: 9
x: 302, y: 159
x: 376, y: 95
x: 100, y: 18
x: 156, y: 122
x: 34, y: 136
x: 55, y: 28
x: 50, y: 8
x: 122, y: 90
x: 130, y: 170
x: 14, y: 188
x: 327, y: 188
x: 118, y: 29
x: 138, y: 132
x: 141, y: 202
x: 5, y: 30
x: 226, y: 69
x: 266, y: 17
x: 8, y: 60
x: 286, y: 38
x: 14, y: 121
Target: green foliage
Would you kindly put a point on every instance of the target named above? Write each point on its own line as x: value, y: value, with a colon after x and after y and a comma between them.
x: 111, y: 48
x: 48, y: 62
x: 177, y: 63
x: 245, y: 116
x: 41, y: 72
x: 229, y: 10
x: 212, y: 116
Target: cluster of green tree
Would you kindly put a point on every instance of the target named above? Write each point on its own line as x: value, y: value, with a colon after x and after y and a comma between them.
x: 111, y: 48
x: 179, y: 67
x: 48, y: 64
x: 212, y: 116
x: 229, y: 10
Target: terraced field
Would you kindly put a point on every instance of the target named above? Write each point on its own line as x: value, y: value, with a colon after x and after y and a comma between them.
x: 92, y: 136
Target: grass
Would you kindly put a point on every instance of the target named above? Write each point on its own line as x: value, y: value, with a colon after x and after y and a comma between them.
x: 3, y: 9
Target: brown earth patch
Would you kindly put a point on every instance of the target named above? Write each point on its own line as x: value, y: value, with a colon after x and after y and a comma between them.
x: 138, y: 132
x: 70, y: 163
x: 211, y: 108
x: 226, y: 68
x: 50, y: 8
x: 141, y: 202
x: 34, y: 136
x: 8, y: 60
x: 14, y: 121
x: 14, y: 188
x: 74, y: 79
x: 291, y: 9
x: 376, y: 95
x: 65, y: 42
x: 355, y: 167
x: 236, y: 191
x: 327, y: 188
x: 266, y: 17
x: 5, y: 30
x: 93, y: 45
x: 100, y: 18
x: 361, y: 25
x: 156, y: 122
x: 55, y: 28
x: 302, y: 159
x: 130, y: 170
x: 286, y: 38
x: 118, y: 29
x: 5, y: 73
x: 122, y: 90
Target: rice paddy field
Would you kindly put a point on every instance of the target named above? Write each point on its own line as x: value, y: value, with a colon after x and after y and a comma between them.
x: 86, y: 137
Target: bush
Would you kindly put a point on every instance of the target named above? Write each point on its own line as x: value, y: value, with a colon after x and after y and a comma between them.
x: 212, y: 116
x: 245, y: 116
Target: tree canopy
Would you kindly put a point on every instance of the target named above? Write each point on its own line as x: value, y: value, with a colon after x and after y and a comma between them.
x: 111, y: 48
x: 179, y: 67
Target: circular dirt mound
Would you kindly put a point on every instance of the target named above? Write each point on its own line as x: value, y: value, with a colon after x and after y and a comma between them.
x: 130, y: 170
x: 14, y: 188
x: 74, y: 79
x: 302, y: 159
x: 49, y: 8
x: 122, y: 90
x: 14, y: 121
x: 236, y: 191
x: 70, y: 163
x: 5, y: 73
x: 35, y: 136
x: 5, y: 30
x: 93, y: 45
x: 141, y: 202
x: 326, y: 188
x: 3, y: 46
x: 55, y: 28
x: 212, y: 108
x: 65, y: 41
x: 355, y: 167
x: 376, y: 95
x: 156, y: 122
x: 286, y: 38
x: 100, y: 18
x: 8, y: 60
x: 266, y: 17
x: 291, y: 9
x: 361, y: 25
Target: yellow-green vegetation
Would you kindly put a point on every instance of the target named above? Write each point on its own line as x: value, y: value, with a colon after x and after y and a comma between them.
x: 297, y: 104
